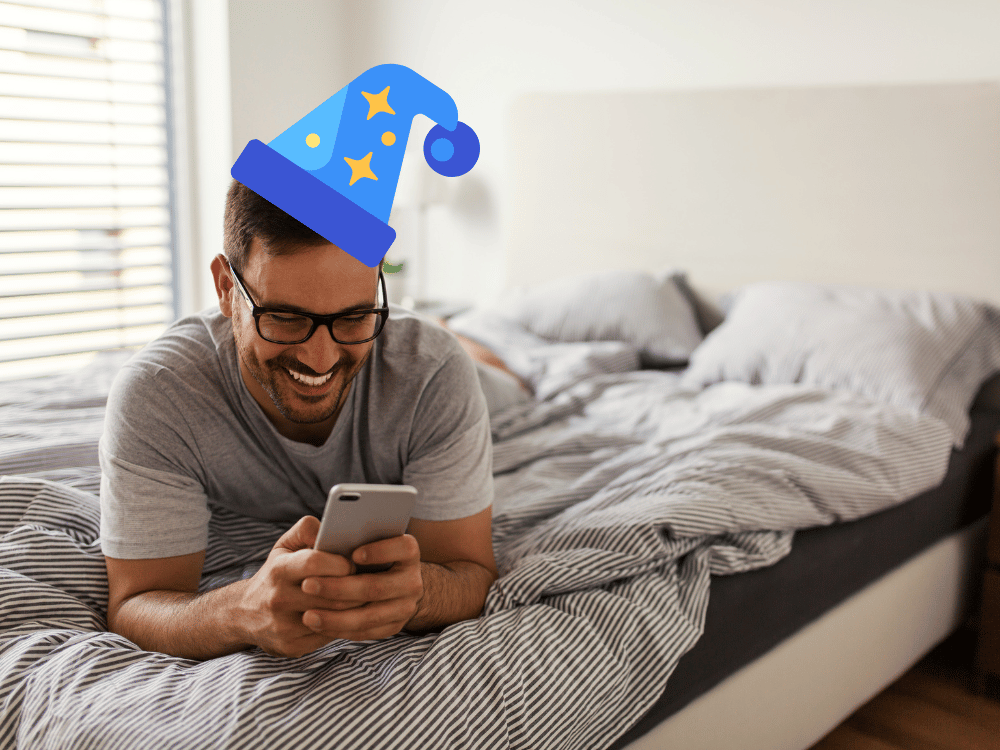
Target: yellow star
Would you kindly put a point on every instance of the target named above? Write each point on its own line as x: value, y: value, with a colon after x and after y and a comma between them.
x: 378, y: 103
x: 361, y: 168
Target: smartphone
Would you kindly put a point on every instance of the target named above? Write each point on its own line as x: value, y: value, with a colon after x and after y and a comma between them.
x: 358, y: 514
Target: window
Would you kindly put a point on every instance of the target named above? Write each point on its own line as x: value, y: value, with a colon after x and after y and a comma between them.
x: 86, y: 241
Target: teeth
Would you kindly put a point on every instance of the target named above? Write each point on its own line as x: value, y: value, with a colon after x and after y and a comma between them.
x: 309, y: 380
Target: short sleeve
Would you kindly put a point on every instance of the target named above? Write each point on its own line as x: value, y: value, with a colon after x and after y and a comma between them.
x: 451, y: 451
x: 153, y: 503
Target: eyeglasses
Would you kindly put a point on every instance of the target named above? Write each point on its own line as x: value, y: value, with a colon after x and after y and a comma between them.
x: 284, y: 327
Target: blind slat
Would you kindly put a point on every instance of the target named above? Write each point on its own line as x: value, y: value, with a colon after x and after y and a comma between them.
x: 57, y: 303
x: 84, y: 68
x: 109, y: 269
x: 12, y: 261
x: 67, y: 281
x: 85, y: 286
x: 80, y: 24
x: 108, y: 219
x: 83, y: 239
x: 83, y: 155
x: 80, y: 197
x: 18, y: 255
x: 70, y: 89
x: 75, y: 311
x: 43, y: 132
x: 23, y: 108
x: 66, y: 175
x: 141, y: 9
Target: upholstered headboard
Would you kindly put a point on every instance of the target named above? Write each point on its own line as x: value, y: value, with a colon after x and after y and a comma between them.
x: 883, y: 185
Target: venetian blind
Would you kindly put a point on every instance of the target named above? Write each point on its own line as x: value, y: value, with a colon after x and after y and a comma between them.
x: 85, y: 220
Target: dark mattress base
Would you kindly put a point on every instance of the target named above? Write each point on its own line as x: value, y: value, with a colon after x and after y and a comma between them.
x: 750, y: 613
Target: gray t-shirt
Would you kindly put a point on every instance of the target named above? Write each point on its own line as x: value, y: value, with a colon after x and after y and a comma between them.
x: 184, y: 436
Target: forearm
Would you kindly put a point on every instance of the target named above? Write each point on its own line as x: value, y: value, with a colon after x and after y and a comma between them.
x: 179, y: 623
x: 452, y: 592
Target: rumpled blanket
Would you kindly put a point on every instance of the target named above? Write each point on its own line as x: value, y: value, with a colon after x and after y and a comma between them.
x: 617, y: 499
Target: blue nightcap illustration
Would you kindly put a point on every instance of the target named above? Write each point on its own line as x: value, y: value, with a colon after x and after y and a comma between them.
x: 336, y: 169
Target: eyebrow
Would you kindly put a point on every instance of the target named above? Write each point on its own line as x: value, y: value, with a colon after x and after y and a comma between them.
x: 297, y: 309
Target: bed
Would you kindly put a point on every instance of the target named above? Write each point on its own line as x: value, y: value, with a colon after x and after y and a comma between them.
x: 886, y: 186
x: 648, y: 489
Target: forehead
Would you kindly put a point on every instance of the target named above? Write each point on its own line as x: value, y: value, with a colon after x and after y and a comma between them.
x: 320, y: 278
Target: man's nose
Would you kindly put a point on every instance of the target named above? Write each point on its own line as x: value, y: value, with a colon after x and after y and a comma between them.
x: 320, y: 351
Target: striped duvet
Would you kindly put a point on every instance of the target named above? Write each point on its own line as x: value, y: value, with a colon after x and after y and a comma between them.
x: 617, y: 500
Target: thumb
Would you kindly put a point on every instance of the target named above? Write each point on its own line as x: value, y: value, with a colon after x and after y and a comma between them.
x: 301, y: 536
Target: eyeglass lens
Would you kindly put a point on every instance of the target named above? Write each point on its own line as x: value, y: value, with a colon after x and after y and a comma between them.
x: 290, y: 328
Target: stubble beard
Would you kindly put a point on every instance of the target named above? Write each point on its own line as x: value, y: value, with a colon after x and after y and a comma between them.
x: 273, y: 376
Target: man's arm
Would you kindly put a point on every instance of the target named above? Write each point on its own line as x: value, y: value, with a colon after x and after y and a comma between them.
x: 452, y: 593
x: 155, y: 604
x: 458, y: 568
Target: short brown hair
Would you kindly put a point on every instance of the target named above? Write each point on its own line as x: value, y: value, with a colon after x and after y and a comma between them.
x: 248, y: 216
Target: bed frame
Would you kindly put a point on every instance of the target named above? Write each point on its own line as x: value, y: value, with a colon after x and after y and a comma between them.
x: 889, y: 186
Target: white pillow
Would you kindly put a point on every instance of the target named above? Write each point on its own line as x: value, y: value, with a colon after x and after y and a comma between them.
x: 927, y: 351
x: 645, y: 310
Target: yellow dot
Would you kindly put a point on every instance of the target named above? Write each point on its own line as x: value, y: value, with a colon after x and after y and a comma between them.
x: 312, y: 140
x: 388, y: 138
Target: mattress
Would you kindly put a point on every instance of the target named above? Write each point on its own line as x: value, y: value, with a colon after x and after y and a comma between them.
x: 750, y: 613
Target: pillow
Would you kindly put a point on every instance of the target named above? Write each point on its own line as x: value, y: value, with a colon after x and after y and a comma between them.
x: 927, y: 351
x: 648, y: 311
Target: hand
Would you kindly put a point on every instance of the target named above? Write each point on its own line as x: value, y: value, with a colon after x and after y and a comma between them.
x: 273, y: 603
x: 368, y: 606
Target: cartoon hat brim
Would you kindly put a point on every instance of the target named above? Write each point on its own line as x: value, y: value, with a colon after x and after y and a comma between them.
x: 317, y: 205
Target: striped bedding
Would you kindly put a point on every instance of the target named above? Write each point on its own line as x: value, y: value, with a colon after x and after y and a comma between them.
x: 617, y: 500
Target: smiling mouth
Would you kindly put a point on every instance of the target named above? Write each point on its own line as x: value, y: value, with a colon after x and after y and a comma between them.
x: 308, y: 380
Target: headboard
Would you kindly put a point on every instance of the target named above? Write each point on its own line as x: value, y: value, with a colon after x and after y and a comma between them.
x: 895, y: 186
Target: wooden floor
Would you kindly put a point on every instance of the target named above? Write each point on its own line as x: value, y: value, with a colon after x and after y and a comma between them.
x: 931, y: 707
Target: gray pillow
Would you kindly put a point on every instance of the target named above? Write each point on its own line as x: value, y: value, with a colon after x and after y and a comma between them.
x: 648, y: 311
x: 926, y: 351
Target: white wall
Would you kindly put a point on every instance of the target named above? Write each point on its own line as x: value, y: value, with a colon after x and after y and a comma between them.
x: 253, y: 68
x: 288, y: 56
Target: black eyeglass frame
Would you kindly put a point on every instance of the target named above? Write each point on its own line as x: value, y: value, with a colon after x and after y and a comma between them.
x: 317, y: 320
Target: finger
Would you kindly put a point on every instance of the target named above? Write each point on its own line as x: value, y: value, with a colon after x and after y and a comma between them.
x: 403, y: 549
x: 301, y: 536
x: 310, y: 563
x: 334, y: 593
x: 324, y: 593
x: 360, y: 622
x: 334, y: 605
x: 364, y: 587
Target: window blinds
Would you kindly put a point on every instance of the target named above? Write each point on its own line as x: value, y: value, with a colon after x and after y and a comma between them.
x: 85, y: 221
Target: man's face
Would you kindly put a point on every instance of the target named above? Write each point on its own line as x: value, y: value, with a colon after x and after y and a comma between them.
x: 320, y: 280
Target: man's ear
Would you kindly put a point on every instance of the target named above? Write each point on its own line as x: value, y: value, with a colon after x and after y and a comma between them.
x: 224, y: 287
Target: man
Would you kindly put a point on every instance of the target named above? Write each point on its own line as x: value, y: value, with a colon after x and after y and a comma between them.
x: 216, y: 414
